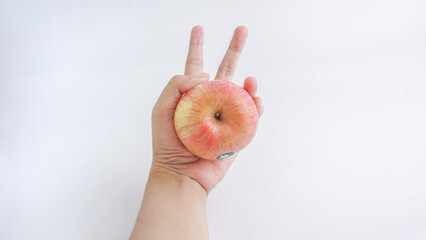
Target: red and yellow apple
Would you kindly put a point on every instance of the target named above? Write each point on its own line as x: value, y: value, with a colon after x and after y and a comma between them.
x: 216, y: 119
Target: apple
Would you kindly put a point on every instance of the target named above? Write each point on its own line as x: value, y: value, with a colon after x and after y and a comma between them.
x: 216, y: 119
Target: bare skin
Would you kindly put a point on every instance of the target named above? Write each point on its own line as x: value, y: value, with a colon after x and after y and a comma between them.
x: 175, y: 195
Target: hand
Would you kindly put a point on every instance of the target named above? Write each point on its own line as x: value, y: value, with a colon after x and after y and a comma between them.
x: 169, y: 154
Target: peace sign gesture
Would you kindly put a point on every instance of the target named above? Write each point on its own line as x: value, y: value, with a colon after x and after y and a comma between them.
x: 169, y: 154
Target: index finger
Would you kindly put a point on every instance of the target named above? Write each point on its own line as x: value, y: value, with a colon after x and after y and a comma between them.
x: 194, y: 60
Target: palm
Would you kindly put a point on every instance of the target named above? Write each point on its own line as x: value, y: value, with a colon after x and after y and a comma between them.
x: 167, y: 146
x: 206, y: 172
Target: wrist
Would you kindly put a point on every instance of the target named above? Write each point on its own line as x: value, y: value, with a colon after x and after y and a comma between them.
x: 173, y: 205
x: 165, y: 176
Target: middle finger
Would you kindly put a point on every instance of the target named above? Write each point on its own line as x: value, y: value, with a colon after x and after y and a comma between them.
x: 230, y: 60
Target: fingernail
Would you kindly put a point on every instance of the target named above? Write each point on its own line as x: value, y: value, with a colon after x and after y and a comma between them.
x: 199, y: 76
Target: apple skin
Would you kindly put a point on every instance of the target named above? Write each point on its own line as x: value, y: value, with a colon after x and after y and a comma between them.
x: 216, y: 119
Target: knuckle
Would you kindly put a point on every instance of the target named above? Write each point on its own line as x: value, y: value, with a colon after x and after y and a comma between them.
x: 235, y: 49
x: 194, y: 61
x: 175, y: 77
x: 175, y: 80
x: 228, y: 70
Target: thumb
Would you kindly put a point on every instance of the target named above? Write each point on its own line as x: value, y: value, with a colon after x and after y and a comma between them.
x: 185, y: 82
x: 178, y: 85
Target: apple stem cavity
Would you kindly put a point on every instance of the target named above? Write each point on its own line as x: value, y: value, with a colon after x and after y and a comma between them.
x: 217, y: 116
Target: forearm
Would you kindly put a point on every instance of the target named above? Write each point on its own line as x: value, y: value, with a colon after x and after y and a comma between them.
x: 173, y: 207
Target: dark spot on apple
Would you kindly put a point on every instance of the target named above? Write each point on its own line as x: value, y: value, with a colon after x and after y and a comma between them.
x: 217, y: 116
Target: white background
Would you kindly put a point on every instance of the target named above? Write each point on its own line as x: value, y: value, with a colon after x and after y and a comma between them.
x: 340, y: 152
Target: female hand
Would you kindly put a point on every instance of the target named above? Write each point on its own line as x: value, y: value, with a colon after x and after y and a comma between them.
x: 169, y: 154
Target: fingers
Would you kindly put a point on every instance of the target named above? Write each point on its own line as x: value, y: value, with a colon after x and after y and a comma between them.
x: 194, y: 60
x: 169, y: 98
x: 250, y: 85
x: 185, y: 82
x: 259, y: 105
x: 229, y: 63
